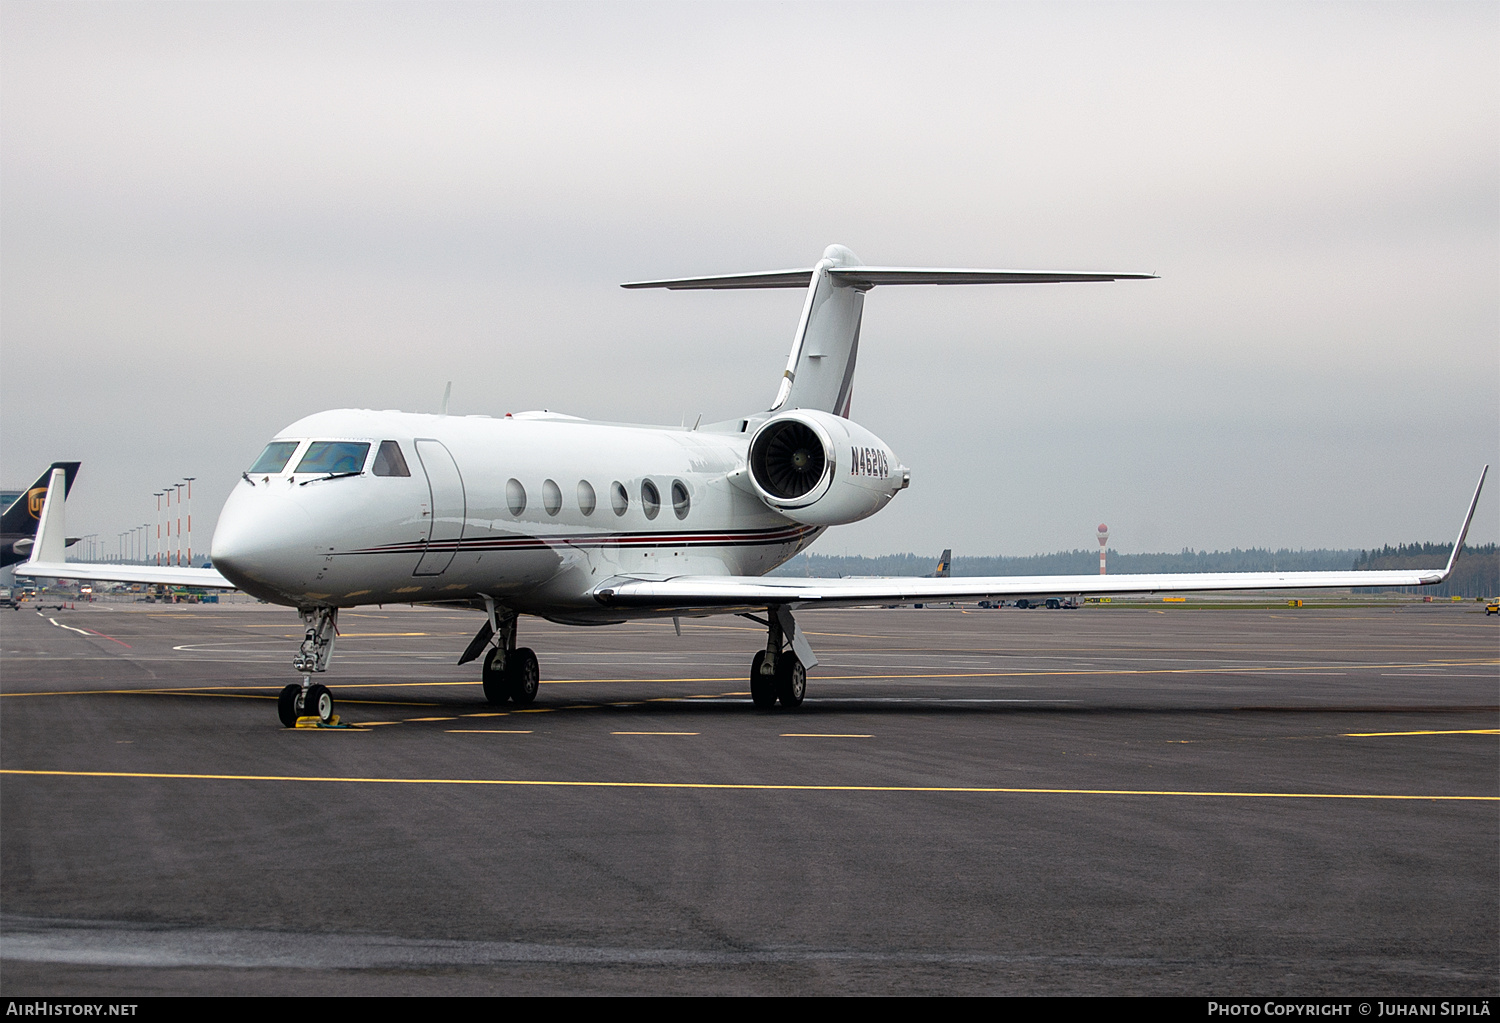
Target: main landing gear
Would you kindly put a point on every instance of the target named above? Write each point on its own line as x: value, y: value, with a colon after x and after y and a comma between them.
x: 777, y: 674
x: 308, y: 700
x: 508, y: 672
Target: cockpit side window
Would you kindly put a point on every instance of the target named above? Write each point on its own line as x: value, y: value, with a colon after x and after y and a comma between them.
x: 274, y: 458
x: 389, y: 461
x: 334, y: 456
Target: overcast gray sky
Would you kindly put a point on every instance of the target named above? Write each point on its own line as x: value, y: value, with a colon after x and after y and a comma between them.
x: 217, y: 218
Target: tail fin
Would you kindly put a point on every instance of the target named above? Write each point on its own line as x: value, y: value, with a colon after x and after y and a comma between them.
x: 820, y: 370
x: 945, y: 564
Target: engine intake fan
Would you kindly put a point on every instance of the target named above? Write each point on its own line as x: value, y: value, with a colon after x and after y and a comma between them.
x: 788, y: 459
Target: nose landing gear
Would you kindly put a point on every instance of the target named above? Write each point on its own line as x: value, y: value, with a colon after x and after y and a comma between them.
x: 308, y: 700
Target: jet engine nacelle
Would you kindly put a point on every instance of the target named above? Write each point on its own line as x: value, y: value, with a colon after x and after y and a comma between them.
x: 822, y: 470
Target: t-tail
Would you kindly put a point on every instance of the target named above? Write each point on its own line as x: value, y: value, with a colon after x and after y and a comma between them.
x: 819, y: 371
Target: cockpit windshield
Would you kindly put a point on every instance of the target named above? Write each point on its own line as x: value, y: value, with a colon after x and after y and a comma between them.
x: 334, y: 456
x: 274, y: 458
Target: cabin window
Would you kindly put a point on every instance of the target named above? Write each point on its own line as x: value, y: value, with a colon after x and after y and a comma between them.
x: 515, y: 496
x: 389, y: 461
x: 681, y: 502
x: 275, y: 457
x: 551, y: 497
x: 650, y: 499
x: 618, y: 498
x: 334, y: 456
x: 586, y: 499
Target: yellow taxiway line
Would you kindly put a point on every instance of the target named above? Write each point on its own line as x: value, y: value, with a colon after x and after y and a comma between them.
x: 751, y: 786
x: 1449, y: 731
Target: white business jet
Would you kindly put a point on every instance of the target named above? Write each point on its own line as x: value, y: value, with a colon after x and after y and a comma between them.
x: 590, y: 523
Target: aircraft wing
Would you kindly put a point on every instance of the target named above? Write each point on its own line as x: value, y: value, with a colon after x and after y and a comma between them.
x: 161, y: 575
x: 714, y: 593
x: 711, y: 594
x: 47, y: 559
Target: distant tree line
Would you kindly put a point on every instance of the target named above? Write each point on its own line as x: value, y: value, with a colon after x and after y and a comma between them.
x: 1477, y: 574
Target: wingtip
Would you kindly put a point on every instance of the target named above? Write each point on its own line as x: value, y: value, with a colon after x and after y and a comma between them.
x: 1458, y: 545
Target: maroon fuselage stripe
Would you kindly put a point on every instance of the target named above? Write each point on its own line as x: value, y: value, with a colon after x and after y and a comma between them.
x: 514, y: 543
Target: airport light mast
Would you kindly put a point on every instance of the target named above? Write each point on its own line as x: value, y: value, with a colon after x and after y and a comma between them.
x: 1103, y: 539
x: 189, y: 480
x: 179, y: 522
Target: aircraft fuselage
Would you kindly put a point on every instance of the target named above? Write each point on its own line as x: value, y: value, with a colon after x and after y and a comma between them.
x: 532, y: 510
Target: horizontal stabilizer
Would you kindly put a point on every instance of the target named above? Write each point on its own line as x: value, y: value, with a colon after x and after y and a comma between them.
x: 870, y: 276
x: 761, y: 279
x: 866, y: 277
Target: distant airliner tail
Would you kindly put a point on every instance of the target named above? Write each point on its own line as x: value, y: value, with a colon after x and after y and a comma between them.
x: 19, y: 522
x: 945, y: 565
x: 26, y: 511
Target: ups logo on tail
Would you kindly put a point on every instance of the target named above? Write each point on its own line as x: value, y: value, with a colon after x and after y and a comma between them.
x: 35, y: 497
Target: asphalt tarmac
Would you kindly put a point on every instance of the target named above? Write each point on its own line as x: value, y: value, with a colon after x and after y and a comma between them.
x: 1111, y: 800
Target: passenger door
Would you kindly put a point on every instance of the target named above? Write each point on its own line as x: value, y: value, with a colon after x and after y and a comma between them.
x: 448, y: 507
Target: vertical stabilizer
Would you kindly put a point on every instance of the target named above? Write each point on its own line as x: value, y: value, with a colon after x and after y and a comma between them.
x: 945, y: 565
x: 820, y: 371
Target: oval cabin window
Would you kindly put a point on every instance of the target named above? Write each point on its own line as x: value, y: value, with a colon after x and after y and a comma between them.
x: 515, y: 496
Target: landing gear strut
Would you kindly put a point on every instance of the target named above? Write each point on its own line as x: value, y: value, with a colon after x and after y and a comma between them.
x: 508, y: 672
x: 308, y: 700
x: 778, y: 674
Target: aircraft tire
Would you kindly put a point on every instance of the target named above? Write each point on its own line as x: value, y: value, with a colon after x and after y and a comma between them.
x: 319, y: 702
x: 286, y: 704
x: 791, y: 681
x: 523, y: 675
x: 496, y: 690
x: 762, y: 687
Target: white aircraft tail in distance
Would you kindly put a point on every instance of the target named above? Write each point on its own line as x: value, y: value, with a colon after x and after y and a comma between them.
x: 593, y: 523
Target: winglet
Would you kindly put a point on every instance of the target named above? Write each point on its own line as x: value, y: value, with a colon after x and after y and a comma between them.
x: 51, y: 539
x: 1459, y: 543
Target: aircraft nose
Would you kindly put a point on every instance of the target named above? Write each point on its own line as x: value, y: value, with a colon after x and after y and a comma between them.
x: 262, y: 542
